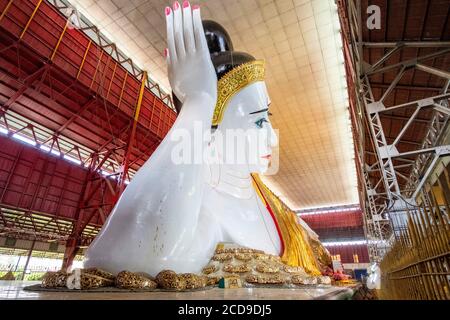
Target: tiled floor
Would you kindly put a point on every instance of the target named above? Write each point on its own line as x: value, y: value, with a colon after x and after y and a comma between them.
x: 14, y: 290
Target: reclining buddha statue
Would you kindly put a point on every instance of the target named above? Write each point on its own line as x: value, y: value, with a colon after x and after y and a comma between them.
x: 173, y: 215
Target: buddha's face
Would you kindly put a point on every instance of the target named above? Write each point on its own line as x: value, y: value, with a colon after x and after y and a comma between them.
x: 247, y: 113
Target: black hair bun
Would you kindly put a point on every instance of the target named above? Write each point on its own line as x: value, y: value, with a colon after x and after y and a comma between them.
x: 220, y: 47
x: 217, y: 37
x: 223, y: 57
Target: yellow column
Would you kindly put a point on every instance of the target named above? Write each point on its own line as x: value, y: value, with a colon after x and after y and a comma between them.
x: 84, y: 59
x: 29, y: 20
x: 59, y: 41
x: 6, y: 9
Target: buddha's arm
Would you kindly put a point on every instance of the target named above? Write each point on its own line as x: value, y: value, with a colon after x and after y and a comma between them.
x: 177, y: 166
x: 158, y: 212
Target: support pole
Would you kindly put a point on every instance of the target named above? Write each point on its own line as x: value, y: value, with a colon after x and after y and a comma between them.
x: 84, y: 59
x: 59, y: 41
x: 31, y: 19
x: 73, y: 242
x: 28, y: 259
x: 126, y: 160
x: 410, y: 44
x: 434, y: 71
x: 6, y: 9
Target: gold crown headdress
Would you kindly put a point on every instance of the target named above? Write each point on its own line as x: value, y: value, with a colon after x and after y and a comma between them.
x: 233, y: 81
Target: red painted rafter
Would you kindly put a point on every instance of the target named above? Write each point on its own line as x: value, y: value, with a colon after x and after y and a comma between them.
x: 131, y: 140
x: 75, y: 116
x: 26, y: 84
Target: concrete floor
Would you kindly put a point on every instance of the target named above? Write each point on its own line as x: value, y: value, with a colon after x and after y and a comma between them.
x: 14, y: 290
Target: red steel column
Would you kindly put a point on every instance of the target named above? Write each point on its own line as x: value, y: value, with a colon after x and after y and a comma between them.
x: 74, y: 241
x: 30, y: 252
x: 130, y: 144
x: 72, y: 244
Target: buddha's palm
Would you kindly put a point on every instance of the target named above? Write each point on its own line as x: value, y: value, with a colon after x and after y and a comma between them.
x: 191, y: 73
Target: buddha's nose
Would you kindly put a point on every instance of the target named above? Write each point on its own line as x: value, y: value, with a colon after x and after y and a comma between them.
x: 273, y: 139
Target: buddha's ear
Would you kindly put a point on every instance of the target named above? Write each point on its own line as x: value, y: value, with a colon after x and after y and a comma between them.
x: 177, y: 103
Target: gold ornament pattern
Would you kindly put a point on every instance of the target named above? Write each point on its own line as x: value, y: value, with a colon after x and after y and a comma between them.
x: 234, y: 81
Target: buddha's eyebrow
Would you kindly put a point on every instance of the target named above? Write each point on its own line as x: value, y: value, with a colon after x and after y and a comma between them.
x: 259, y: 111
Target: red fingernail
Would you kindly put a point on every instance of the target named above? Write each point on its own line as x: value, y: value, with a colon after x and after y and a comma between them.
x: 166, y: 52
x: 185, y: 4
x: 176, y: 5
x: 195, y: 7
x: 167, y: 11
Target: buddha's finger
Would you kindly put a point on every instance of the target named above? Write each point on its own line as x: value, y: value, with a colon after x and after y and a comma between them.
x: 178, y: 30
x: 200, y: 39
x: 170, y: 36
x: 167, y: 56
x: 188, y: 27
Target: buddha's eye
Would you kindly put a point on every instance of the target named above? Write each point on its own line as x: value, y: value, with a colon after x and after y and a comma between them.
x: 259, y: 122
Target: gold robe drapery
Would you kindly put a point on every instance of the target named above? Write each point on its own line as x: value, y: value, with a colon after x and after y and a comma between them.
x: 298, y: 249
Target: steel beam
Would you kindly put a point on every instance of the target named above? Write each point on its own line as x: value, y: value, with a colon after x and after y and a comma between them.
x: 30, y: 19
x: 410, y: 62
x: 406, y: 126
x: 406, y: 44
x: 425, y: 153
x: 434, y: 71
x: 6, y: 9
x: 75, y: 116
x: 84, y: 59
x: 426, y: 102
x: 27, y: 83
x: 377, y: 64
x: 10, y: 174
x: 374, y: 227
x: 88, y: 191
x: 30, y: 252
x: 59, y: 41
x: 73, y: 241
x: 94, y: 34
x: 96, y: 69
x: 406, y: 87
x: 111, y: 81
x: 130, y: 144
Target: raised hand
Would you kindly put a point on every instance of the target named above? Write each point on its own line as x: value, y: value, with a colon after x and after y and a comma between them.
x: 191, y: 72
